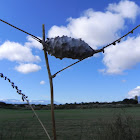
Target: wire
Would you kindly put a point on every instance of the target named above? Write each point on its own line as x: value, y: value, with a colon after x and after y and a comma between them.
x: 96, y: 51
x: 24, y: 98
x: 100, y: 50
x: 116, y: 41
x: 38, y: 119
x: 36, y: 38
x: 67, y: 67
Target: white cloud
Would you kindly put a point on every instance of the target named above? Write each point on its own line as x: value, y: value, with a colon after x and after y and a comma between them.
x: 27, y: 68
x: 16, y: 52
x: 32, y: 43
x: 123, y: 81
x: 58, y: 31
x: 123, y: 56
x: 98, y: 28
x: 42, y: 82
x: 126, y: 8
x: 134, y: 92
x: 101, y: 28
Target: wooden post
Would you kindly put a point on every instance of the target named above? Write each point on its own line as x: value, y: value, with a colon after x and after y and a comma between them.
x: 51, y: 85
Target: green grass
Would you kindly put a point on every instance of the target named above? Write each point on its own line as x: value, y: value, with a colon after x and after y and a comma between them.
x: 78, y: 124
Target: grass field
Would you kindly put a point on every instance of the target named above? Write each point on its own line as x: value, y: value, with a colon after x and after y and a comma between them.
x: 78, y: 124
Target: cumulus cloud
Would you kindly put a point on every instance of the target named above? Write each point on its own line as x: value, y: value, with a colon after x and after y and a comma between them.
x: 123, y: 56
x: 126, y: 8
x: 14, y: 51
x: 58, y: 31
x: 98, y: 28
x: 92, y: 27
x: 42, y: 82
x: 32, y: 43
x: 134, y: 92
x: 22, y: 54
x: 27, y: 68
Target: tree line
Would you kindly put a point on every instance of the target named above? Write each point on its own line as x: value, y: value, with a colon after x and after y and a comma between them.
x: 83, y: 105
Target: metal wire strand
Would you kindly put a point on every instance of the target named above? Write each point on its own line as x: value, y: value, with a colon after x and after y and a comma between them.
x: 38, y: 119
x: 100, y: 50
x: 117, y: 41
x: 24, y: 98
x: 96, y: 51
x: 36, y: 38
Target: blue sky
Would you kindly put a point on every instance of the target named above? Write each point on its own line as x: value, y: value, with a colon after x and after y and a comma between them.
x: 111, y: 76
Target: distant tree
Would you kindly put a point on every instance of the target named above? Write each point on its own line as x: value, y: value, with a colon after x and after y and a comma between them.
x: 82, y: 103
x: 114, y: 103
x: 75, y: 103
x: 125, y: 101
x: 2, y: 103
x: 136, y: 98
x: 133, y: 101
x: 129, y: 101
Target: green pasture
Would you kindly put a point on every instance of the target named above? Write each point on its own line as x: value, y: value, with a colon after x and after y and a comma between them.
x: 78, y: 124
